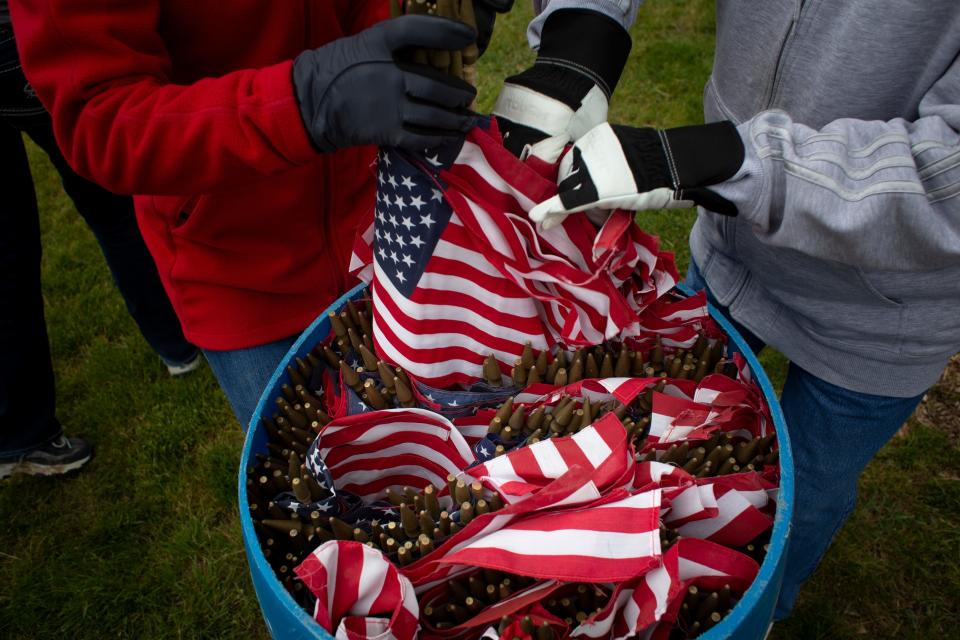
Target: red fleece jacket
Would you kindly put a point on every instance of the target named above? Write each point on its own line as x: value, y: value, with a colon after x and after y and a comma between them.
x: 189, y: 105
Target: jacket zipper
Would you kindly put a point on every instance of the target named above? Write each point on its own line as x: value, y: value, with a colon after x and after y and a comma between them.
x: 778, y: 68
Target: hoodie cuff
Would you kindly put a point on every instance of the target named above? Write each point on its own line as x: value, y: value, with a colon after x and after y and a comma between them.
x: 748, y: 187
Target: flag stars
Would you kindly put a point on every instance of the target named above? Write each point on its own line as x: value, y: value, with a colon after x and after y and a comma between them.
x: 417, y: 242
x: 393, y: 220
x: 408, y: 183
x: 427, y: 221
x: 383, y: 253
x: 406, y: 223
x: 386, y: 160
x: 434, y: 160
x: 417, y: 202
x: 400, y: 241
x: 437, y: 195
x: 392, y: 181
x: 407, y: 260
x: 399, y: 201
x: 400, y: 277
x: 393, y: 256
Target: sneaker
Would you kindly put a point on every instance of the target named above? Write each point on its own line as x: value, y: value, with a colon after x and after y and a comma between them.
x: 184, y: 368
x: 54, y: 458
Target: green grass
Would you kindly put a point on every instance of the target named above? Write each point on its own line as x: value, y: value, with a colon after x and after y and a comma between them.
x: 145, y: 542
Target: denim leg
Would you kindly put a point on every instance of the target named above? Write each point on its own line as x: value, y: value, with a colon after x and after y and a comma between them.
x: 27, y: 401
x: 113, y: 222
x: 243, y: 373
x: 834, y: 433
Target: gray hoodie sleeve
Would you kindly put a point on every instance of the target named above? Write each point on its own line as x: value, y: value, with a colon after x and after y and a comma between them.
x: 877, y: 195
x: 623, y: 11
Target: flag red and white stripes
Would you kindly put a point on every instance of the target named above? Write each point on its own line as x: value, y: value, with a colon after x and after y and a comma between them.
x: 601, y: 448
x: 360, y: 593
x: 368, y: 452
x: 737, y: 501
x: 637, y: 603
x: 607, y: 542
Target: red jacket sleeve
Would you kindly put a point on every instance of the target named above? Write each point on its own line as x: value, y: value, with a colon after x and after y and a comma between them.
x: 103, y: 72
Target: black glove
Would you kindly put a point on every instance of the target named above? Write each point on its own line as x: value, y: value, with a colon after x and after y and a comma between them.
x: 567, y: 90
x: 353, y: 91
x: 486, y: 12
x: 614, y: 167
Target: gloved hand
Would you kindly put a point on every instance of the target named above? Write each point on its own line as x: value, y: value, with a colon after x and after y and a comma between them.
x: 614, y: 167
x: 353, y: 91
x: 486, y: 12
x: 567, y: 90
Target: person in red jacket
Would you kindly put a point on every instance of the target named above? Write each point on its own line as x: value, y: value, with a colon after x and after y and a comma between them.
x: 244, y: 130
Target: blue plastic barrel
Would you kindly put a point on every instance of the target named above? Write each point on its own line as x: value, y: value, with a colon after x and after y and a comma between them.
x: 749, y: 620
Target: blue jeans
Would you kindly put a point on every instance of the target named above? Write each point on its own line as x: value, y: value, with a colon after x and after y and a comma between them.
x: 27, y: 396
x: 834, y: 433
x: 243, y: 373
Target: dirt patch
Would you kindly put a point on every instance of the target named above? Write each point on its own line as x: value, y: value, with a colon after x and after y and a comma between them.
x: 940, y: 408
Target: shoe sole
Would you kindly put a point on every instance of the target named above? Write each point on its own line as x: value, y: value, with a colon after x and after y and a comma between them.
x: 31, y: 469
x: 182, y: 370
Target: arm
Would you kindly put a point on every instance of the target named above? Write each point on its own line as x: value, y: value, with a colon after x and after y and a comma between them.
x: 105, y: 75
x: 103, y: 72
x: 880, y: 195
x: 622, y: 11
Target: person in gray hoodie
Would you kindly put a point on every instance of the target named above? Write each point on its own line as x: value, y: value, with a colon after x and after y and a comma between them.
x: 828, y: 180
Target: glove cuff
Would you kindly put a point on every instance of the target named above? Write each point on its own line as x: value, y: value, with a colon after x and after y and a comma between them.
x: 303, y: 77
x: 702, y: 155
x: 579, y: 49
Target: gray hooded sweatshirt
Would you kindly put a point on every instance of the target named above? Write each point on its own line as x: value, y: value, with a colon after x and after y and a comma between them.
x: 846, y: 253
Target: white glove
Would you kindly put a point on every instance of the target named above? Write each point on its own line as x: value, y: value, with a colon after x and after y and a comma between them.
x: 615, y: 167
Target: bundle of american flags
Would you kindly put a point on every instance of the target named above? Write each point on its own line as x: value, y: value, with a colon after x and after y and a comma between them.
x: 515, y: 433
x: 458, y: 272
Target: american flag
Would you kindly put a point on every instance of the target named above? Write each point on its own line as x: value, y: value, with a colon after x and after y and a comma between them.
x: 360, y: 593
x: 519, y: 601
x: 370, y: 452
x: 573, y: 490
x: 737, y: 504
x: 638, y: 604
x: 602, y: 448
x: 440, y: 307
x: 607, y: 542
x: 708, y: 566
x: 459, y: 272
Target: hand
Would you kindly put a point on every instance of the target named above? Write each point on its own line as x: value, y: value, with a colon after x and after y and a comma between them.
x: 353, y: 91
x: 614, y: 167
x: 486, y: 12
x: 567, y: 90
